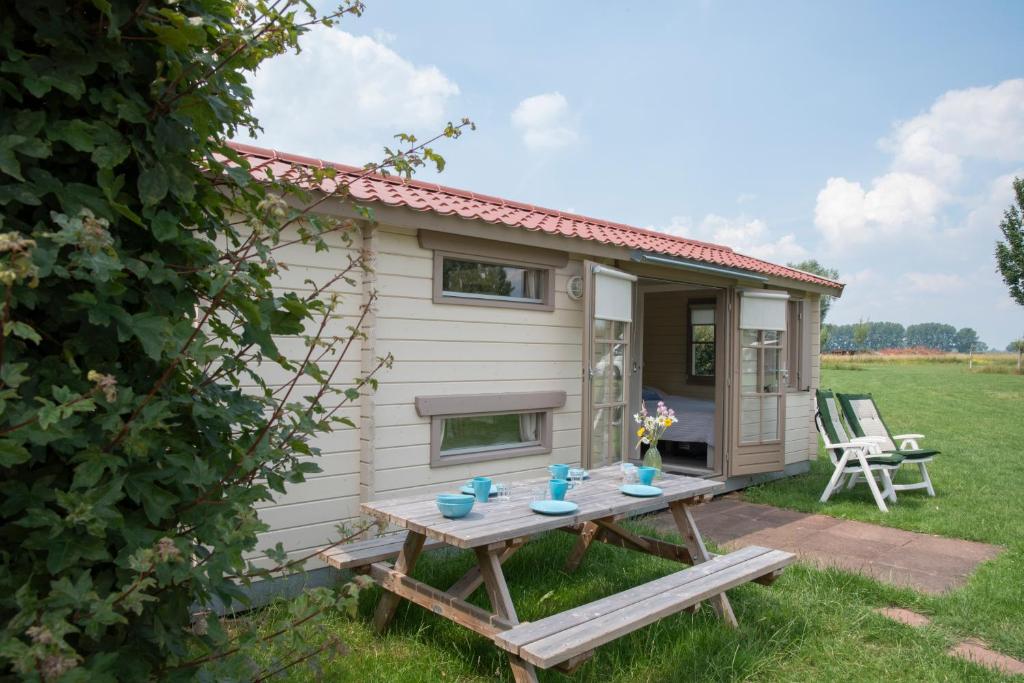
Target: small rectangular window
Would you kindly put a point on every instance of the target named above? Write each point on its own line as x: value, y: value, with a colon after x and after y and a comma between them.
x: 701, y: 332
x: 475, y: 427
x: 482, y: 280
x: 481, y: 433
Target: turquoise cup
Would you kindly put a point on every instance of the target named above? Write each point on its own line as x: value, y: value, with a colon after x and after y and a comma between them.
x: 481, y: 489
x: 558, y: 487
x: 646, y: 474
x: 559, y: 471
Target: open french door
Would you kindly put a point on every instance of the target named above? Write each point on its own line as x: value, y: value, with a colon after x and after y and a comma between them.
x: 760, y: 379
x: 607, y: 363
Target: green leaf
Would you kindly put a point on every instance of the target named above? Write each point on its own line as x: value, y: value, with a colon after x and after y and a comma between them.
x: 11, y: 374
x: 22, y: 330
x: 77, y: 133
x: 157, y: 503
x: 152, y: 331
x: 164, y: 226
x: 153, y: 185
x: 12, y: 454
x: 9, y: 163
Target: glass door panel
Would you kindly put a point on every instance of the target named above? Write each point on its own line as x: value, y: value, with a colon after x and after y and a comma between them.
x: 760, y: 386
x: 608, y: 364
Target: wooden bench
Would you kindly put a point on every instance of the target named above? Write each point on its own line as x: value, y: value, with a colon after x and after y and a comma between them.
x: 558, y: 638
x: 364, y: 553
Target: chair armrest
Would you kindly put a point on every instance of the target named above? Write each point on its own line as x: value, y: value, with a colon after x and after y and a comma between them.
x: 868, y: 446
x: 900, y: 437
x: 870, y: 439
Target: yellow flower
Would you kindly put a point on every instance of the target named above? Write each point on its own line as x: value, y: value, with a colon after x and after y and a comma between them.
x: 640, y: 432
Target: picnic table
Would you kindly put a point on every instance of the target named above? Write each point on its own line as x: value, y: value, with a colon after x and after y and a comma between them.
x: 494, y: 531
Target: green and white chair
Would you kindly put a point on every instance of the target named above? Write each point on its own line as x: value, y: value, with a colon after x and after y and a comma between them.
x: 854, y: 459
x: 866, y: 422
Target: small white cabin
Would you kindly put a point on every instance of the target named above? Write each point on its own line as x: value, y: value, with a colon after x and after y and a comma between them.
x: 525, y: 336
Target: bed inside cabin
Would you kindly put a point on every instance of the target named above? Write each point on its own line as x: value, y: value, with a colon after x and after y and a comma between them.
x: 680, y: 368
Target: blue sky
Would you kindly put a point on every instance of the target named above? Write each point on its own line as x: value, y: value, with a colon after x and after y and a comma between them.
x: 879, y: 138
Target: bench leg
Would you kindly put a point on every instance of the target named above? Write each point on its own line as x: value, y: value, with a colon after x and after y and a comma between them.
x: 586, y: 537
x: 699, y: 553
x: 501, y: 604
x: 405, y: 563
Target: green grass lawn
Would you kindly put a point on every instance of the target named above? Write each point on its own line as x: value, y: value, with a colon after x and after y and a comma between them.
x: 811, y: 625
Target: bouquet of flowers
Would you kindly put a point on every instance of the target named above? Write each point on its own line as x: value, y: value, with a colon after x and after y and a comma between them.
x: 652, y: 427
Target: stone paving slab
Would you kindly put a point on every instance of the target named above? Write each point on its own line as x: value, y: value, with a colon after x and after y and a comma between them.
x: 977, y: 652
x: 930, y: 564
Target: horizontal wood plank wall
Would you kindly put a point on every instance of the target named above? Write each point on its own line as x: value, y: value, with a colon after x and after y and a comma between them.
x: 305, y: 518
x: 444, y: 349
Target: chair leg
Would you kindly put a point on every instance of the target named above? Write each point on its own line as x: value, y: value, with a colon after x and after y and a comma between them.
x: 890, y: 489
x: 927, y: 480
x: 833, y: 483
x: 854, y: 478
x: 875, y: 493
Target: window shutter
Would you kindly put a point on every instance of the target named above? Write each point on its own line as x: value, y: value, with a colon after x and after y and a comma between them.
x: 763, y: 310
x: 613, y: 294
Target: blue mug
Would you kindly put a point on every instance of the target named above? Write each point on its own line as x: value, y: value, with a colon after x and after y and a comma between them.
x: 646, y: 474
x: 558, y: 487
x: 481, y: 489
x: 559, y: 471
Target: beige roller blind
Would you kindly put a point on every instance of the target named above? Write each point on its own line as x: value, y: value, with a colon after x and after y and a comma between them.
x: 763, y: 310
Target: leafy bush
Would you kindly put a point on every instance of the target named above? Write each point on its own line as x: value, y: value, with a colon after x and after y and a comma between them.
x: 137, y: 256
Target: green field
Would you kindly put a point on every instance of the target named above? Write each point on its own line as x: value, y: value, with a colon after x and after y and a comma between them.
x: 811, y: 625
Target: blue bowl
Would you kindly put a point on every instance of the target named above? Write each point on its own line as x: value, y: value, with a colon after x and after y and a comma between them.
x: 455, y: 505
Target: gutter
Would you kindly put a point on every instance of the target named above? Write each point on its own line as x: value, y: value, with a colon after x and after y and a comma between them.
x: 646, y: 257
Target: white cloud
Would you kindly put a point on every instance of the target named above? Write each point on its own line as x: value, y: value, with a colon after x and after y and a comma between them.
x: 745, y: 235
x: 546, y: 121
x: 897, y: 203
x: 344, y: 96
x: 745, y: 197
x: 933, y: 283
x: 988, y: 210
x: 928, y: 152
x: 984, y: 123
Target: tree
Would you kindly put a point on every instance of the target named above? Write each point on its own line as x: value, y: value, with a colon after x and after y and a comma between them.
x: 1010, y: 254
x: 138, y: 261
x: 885, y: 335
x: 860, y: 334
x: 932, y: 336
x: 815, y: 268
x: 1018, y: 348
x: 966, y: 340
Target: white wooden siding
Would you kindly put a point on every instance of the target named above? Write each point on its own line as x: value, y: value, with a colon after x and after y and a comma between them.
x: 444, y: 349
x: 305, y: 518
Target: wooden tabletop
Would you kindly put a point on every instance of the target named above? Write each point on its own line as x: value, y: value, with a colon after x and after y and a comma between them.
x: 495, y: 521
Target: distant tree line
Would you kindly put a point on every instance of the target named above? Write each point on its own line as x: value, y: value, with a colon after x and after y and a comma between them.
x: 875, y: 336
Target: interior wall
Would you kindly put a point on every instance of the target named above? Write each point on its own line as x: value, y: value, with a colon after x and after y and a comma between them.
x: 666, y: 343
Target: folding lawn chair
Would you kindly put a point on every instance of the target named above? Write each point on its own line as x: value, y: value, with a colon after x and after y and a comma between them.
x: 866, y: 422
x: 854, y: 459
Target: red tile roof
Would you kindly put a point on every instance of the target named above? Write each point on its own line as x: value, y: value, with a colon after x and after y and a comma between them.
x: 422, y: 196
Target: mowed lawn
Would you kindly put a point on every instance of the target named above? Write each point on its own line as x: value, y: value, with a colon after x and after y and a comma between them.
x: 811, y: 625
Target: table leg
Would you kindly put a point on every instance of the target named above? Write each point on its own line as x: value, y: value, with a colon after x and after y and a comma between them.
x: 501, y: 604
x: 472, y: 579
x: 699, y: 553
x: 586, y: 537
x: 405, y: 563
